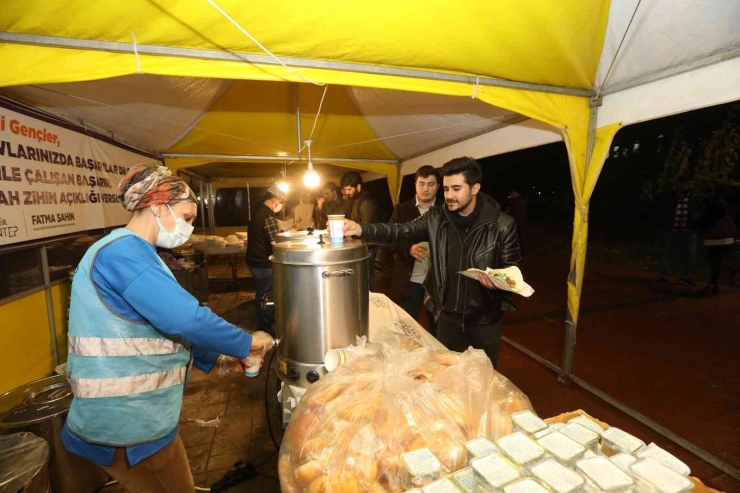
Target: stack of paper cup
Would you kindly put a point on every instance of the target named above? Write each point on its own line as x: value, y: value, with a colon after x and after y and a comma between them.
x: 336, y: 357
x: 335, y: 225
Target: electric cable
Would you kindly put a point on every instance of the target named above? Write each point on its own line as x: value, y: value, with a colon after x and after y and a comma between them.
x: 254, y: 40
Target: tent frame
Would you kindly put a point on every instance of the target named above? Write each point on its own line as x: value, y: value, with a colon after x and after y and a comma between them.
x: 579, y: 251
x: 143, y: 49
x: 230, y: 157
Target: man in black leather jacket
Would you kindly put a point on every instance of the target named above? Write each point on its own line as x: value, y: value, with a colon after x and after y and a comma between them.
x: 469, y: 231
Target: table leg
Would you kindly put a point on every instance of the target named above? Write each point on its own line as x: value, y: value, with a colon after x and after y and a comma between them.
x: 233, y: 268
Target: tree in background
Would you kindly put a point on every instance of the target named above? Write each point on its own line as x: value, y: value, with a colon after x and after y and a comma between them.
x: 717, y: 166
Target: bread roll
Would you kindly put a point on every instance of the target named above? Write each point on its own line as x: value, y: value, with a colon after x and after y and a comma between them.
x: 306, y: 473
x: 310, y: 449
x: 285, y: 474
x: 336, y: 483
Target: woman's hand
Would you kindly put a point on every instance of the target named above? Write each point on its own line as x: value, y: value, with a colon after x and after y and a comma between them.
x: 261, y: 343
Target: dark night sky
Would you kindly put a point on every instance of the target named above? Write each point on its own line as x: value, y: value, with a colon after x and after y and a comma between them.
x: 542, y: 173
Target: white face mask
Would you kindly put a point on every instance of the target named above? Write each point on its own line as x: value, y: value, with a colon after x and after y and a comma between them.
x: 176, y: 238
x: 278, y: 208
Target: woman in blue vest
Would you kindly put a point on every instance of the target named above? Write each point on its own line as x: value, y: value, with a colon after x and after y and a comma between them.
x: 134, y: 335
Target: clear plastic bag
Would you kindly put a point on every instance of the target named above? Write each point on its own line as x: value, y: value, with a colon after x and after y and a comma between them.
x: 21, y: 457
x: 352, y: 427
x: 227, y: 364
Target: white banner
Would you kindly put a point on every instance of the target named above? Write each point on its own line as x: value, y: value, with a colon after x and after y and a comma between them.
x: 55, y: 180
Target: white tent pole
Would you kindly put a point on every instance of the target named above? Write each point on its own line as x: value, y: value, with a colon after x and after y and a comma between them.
x: 142, y: 49
x: 229, y: 157
x: 202, y: 199
x: 298, y: 116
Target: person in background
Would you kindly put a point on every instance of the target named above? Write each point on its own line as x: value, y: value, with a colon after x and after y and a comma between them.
x: 470, y: 231
x: 263, y: 229
x: 718, y: 233
x: 304, y: 213
x: 411, y: 261
x: 135, y: 333
x: 361, y: 208
x: 333, y: 203
x: 679, y: 213
x: 518, y: 210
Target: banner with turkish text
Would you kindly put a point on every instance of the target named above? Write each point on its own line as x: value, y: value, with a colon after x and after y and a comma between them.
x: 56, y: 180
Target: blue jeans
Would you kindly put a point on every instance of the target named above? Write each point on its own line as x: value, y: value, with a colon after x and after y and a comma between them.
x: 413, y: 299
x: 263, y: 287
x: 685, y: 243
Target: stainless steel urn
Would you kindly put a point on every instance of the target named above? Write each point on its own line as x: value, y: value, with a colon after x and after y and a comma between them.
x: 321, y: 302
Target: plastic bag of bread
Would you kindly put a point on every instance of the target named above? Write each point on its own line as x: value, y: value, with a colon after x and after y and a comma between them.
x: 352, y: 427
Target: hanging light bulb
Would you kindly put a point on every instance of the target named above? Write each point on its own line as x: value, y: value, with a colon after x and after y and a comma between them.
x: 311, y: 178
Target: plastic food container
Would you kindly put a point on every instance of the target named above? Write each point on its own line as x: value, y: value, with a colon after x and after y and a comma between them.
x: 562, y: 448
x: 465, y: 480
x: 478, y: 447
x: 542, y: 433
x: 522, y: 450
x: 525, y: 486
x: 603, y: 474
x: 548, y: 430
x: 665, y: 458
x: 623, y: 461
x: 621, y: 441
x: 493, y: 472
x: 421, y: 468
x: 444, y: 485
x: 557, y: 477
x: 582, y: 435
x: 527, y: 422
x: 652, y: 475
x: 588, y: 423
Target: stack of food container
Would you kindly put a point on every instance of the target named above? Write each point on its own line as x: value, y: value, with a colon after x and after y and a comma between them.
x: 573, y: 457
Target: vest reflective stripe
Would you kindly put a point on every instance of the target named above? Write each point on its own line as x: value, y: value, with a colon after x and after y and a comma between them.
x: 94, y: 388
x: 121, y: 346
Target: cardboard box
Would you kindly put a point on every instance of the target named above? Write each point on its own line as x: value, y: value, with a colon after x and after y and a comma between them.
x: 699, y: 487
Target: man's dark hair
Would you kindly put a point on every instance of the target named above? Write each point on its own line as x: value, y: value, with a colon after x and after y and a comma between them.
x: 330, y: 185
x: 426, y: 172
x: 467, y: 166
x: 351, y: 179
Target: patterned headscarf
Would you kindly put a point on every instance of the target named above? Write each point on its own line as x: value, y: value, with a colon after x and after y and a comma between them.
x: 144, y: 186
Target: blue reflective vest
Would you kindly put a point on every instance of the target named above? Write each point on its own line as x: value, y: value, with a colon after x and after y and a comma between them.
x: 127, y: 378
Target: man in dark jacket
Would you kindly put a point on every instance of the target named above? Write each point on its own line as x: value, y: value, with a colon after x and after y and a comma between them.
x: 261, y: 233
x: 360, y: 208
x: 470, y: 231
x: 333, y: 204
x: 411, y: 261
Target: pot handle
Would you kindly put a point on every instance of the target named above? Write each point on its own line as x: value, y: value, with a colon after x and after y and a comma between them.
x: 338, y: 273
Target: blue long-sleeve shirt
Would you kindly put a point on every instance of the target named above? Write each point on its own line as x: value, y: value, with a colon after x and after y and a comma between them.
x: 133, y: 283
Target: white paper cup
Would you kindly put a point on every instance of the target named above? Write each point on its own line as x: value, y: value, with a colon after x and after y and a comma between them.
x: 253, y: 370
x: 336, y: 357
x: 335, y: 225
